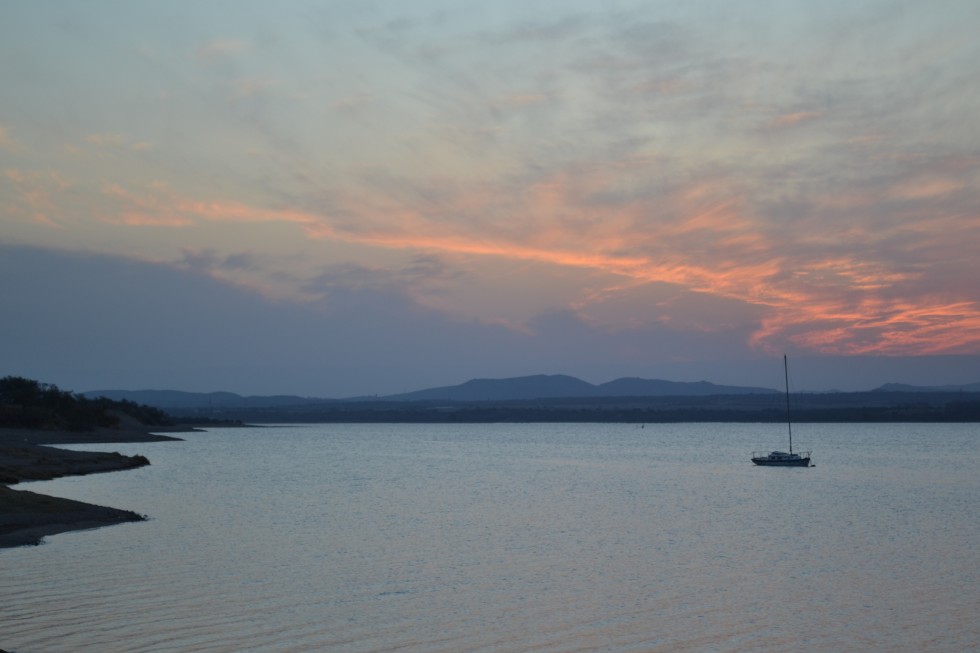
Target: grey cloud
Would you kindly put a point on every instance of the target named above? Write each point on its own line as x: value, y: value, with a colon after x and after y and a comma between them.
x: 208, y: 260
x: 421, y: 271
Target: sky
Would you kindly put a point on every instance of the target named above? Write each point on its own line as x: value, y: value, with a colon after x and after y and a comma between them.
x: 339, y: 198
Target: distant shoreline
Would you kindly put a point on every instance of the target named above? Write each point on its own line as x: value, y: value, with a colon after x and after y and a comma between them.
x: 27, y: 517
x: 849, y: 408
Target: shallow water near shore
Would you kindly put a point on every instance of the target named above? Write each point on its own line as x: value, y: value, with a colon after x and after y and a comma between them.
x: 516, y: 537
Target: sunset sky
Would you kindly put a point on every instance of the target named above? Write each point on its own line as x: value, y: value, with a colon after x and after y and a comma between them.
x: 354, y: 197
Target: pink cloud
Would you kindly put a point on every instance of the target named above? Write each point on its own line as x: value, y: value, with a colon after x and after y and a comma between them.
x: 240, y: 212
x: 927, y: 187
x: 152, y: 207
x: 822, y: 288
x: 36, y: 194
x: 134, y: 219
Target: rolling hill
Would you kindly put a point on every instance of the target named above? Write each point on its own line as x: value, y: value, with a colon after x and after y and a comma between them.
x: 540, y: 386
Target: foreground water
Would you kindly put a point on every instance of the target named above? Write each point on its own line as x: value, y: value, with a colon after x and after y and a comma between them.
x: 500, y: 538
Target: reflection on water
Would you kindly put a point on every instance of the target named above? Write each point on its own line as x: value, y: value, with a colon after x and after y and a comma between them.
x: 514, y: 538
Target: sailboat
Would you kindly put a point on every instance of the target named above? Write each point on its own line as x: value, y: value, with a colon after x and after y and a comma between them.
x: 783, y: 458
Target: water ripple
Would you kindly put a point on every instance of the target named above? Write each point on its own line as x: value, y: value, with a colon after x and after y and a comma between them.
x: 515, y: 538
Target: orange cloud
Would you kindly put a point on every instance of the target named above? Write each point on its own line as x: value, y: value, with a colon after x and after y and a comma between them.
x: 875, y: 325
x: 900, y: 328
x: 133, y: 219
x: 158, y: 205
x: 824, y: 289
x: 239, y: 212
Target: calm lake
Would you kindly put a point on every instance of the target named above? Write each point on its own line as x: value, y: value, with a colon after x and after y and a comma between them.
x: 517, y: 537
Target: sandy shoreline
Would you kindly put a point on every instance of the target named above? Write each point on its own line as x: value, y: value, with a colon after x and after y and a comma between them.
x: 26, y: 517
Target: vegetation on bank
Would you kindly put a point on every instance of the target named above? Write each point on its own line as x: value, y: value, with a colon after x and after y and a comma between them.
x: 29, y: 404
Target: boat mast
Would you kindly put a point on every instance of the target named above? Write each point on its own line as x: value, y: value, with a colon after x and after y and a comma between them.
x: 789, y: 423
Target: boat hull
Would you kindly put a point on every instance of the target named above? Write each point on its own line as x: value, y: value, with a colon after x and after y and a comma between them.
x: 796, y: 462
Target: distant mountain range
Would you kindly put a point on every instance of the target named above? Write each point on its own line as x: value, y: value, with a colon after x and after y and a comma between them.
x: 523, y: 388
x: 902, y: 387
x: 540, y: 386
x: 543, y: 386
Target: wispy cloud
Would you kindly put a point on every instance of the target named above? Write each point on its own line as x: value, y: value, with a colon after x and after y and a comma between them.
x: 115, y: 142
x: 151, y: 208
x: 251, y: 86
x: 9, y: 144
x: 715, y: 235
x: 794, y: 119
x: 648, y: 167
x: 219, y: 49
x: 35, y: 195
x: 352, y: 102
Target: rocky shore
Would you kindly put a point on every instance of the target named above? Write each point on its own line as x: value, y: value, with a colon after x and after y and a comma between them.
x: 26, y: 517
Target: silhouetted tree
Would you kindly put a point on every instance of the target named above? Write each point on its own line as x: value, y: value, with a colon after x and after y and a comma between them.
x: 25, y: 403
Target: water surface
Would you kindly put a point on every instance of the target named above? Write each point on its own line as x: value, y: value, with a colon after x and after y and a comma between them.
x: 513, y: 538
